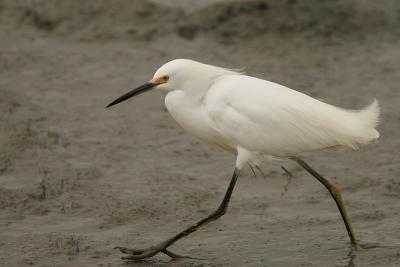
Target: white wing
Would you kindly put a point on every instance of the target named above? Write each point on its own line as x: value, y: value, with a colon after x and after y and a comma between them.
x: 265, y: 117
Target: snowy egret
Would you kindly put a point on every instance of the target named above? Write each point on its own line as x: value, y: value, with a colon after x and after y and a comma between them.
x: 253, y: 118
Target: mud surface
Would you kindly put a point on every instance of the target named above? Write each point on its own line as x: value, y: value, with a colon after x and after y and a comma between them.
x: 76, y: 179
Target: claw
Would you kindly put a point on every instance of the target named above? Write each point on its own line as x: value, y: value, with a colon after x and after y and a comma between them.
x: 139, y: 254
x: 129, y: 250
x: 171, y: 254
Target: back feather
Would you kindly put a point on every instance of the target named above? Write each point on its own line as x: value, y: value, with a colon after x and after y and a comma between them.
x: 368, y: 119
x: 270, y: 118
x: 350, y: 128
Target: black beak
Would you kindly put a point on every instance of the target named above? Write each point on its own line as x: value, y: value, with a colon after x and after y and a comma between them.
x: 141, y: 89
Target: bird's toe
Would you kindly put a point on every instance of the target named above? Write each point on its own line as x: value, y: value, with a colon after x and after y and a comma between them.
x: 129, y: 251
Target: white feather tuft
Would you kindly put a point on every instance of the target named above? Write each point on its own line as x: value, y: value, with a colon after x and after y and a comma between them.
x: 370, y: 116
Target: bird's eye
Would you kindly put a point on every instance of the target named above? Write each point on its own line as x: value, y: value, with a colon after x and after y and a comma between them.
x: 166, y: 78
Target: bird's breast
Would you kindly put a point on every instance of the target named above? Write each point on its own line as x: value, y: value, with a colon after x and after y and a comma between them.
x: 191, y: 116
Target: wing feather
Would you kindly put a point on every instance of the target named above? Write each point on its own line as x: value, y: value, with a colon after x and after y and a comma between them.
x: 269, y: 118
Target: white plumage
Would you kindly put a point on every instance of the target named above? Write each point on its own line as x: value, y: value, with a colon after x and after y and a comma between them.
x: 253, y: 118
x: 258, y: 117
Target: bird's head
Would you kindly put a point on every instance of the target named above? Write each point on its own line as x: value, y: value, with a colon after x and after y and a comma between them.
x: 179, y: 74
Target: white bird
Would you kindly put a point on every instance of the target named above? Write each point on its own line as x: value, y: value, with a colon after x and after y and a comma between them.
x: 253, y: 118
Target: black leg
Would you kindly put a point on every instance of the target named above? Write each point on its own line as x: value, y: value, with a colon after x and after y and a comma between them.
x: 137, y: 254
x: 337, y: 196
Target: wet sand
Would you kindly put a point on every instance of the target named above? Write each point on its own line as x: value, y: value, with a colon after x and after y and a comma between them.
x: 77, y: 179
